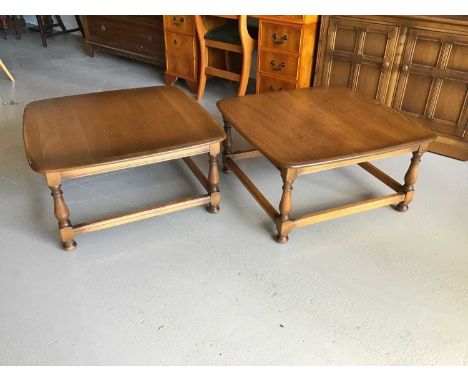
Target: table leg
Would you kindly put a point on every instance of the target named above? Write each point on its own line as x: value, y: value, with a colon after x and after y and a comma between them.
x: 227, y: 146
x: 61, y: 212
x: 283, y: 222
x: 410, y: 179
x: 213, y: 179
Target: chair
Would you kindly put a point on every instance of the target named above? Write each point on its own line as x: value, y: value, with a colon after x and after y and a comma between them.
x: 230, y: 38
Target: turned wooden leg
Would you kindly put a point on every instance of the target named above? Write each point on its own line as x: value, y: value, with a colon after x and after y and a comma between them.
x: 213, y: 179
x: 283, y: 222
x: 410, y: 179
x: 61, y: 212
x: 227, y: 146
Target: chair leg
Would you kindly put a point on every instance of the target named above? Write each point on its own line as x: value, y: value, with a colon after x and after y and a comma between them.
x: 80, y: 25
x: 244, y: 77
x: 2, y: 65
x: 40, y: 23
x: 16, y: 27
x: 202, y: 79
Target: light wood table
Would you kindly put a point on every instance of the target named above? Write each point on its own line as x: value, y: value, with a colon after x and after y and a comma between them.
x: 309, y: 130
x: 89, y: 134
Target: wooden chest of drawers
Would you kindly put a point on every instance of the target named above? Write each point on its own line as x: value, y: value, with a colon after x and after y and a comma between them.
x: 286, y: 46
x: 181, y: 50
x: 137, y: 37
x: 415, y: 64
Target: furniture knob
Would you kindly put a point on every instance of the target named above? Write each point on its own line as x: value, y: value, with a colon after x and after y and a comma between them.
x: 385, y: 64
x: 103, y: 28
x: 280, y: 40
x: 271, y: 88
x: 177, y: 22
x: 405, y: 68
x: 279, y: 67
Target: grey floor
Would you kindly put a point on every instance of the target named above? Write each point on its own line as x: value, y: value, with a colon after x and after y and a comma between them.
x: 378, y: 288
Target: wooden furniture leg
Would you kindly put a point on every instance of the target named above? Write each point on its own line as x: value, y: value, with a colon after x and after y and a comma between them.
x: 227, y: 146
x: 16, y: 27
x: 5, y: 69
x: 61, y: 212
x: 411, y: 177
x: 80, y: 25
x: 284, y: 223
x: 213, y: 180
x: 40, y: 23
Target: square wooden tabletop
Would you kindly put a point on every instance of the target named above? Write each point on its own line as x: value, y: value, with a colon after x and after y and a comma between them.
x: 305, y: 127
x: 84, y: 130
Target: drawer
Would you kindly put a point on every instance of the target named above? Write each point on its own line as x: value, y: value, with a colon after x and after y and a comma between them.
x: 180, y: 24
x: 270, y: 84
x: 280, y: 37
x: 181, y: 65
x: 128, y: 36
x: 279, y: 64
x: 179, y: 44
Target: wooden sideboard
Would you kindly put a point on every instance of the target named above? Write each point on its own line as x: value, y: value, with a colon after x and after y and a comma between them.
x: 286, y: 46
x: 137, y: 37
x: 415, y: 64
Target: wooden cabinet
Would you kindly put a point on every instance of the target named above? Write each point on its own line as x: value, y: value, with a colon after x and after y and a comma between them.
x: 360, y: 55
x: 433, y: 80
x: 137, y: 37
x: 417, y: 65
x: 286, y: 46
x: 181, y: 50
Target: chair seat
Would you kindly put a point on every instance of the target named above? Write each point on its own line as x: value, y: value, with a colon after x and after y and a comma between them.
x: 230, y: 33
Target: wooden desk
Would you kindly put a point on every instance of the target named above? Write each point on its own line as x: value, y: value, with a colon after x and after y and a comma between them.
x: 286, y: 46
x: 308, y: 130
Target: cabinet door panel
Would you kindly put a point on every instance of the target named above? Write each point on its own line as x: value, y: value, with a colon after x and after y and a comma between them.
x: 360, y: 55
x: 451, y: 99
x: 340, y: 73
x: 369, y: 78
x: 417, y: 93
x: 433, y: 80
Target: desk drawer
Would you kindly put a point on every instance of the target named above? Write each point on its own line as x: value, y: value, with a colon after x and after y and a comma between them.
x: 180, y: 24
x: 271, y: 84
x: 130, y: 36
x: 280, y: 37
x: 179, y: 44
x: 279, y: 64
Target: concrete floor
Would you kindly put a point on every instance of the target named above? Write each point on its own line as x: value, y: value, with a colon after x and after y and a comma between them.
x: 190, y: 288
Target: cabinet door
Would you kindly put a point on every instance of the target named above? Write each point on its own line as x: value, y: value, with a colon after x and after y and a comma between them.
x: 360, y: 55
x: 433, y: 80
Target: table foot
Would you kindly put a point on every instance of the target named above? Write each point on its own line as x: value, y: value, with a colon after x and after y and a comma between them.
x: 69, y: 245
x: 282, y: 239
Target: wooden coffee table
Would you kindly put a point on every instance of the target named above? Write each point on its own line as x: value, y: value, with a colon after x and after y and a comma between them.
x: 89, y: 134
x: 309, y: 130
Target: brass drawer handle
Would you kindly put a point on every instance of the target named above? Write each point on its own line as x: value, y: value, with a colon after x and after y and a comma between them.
x: 271, y: 88
x: 177, y: 22
x: 280, y: 67
x: 103, y: 28
x: 280, y: 40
